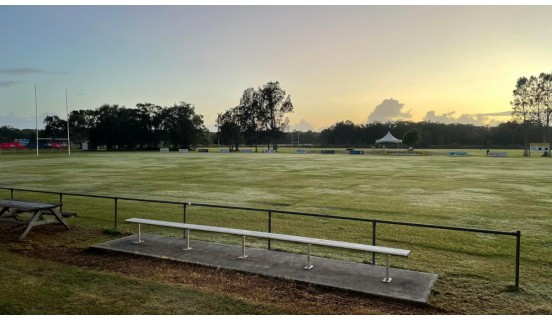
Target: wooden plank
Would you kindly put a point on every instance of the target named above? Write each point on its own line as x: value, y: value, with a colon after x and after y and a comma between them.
x: 274, y: 236
x: 27, y: 206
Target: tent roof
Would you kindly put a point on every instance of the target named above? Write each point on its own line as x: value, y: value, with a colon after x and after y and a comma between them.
x: 388, y: 139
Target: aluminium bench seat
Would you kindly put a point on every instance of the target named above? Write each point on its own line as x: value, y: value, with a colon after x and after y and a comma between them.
x: 273, y: 236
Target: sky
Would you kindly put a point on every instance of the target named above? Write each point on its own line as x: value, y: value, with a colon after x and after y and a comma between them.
x: 358, y: 63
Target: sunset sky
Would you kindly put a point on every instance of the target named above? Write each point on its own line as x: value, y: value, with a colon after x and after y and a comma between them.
x: 451, y: 63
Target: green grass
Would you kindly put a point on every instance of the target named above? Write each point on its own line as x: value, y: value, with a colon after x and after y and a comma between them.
x: 490, y: 193
x: 36, y: 287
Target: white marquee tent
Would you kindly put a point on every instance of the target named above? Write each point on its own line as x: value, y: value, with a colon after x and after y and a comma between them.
x: 389, y: 139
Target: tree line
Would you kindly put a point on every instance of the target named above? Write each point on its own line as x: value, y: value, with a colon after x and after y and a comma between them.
x: 532, y: 106
x: 261, y: 118
x: 135, y: 135
x: 428, y: 134
x: 148, y: 126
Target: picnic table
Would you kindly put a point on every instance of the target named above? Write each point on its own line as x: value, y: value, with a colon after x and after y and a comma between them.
x: 17, y: 212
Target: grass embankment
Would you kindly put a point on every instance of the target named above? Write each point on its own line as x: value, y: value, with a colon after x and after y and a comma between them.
x: 475, y: 271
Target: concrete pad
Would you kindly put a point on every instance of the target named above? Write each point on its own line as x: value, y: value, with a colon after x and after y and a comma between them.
x: 359, y: 277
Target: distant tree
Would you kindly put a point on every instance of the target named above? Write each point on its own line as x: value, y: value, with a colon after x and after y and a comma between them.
x: 521, y: 105
x: 250, y: 114
x: 79, y: 125
x: 7, y: 133
x: 150, y: 124
x: 105, y: 126
x: 412, y: 137
x: 276, y: 105
x: 229, y: 128
x: 545, y: 88
x: 184, y: 128
x: 55, y: 127
x: 342, y: 134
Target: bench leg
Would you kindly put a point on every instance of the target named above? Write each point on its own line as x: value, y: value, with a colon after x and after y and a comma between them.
x: 387, y: 278
x: 243, y: 256
x: 139, y: 235
x: 309, y: 265
x: 187, y: 234
x: 30, y: 225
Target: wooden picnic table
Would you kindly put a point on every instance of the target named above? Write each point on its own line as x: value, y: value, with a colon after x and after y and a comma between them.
x: 12, y: 211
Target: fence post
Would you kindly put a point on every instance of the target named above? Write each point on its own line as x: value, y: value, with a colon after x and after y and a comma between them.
x: 518, y: 250
x: 115, y: 217
x: 61, y: 202
x: 373, y: 241
x: 11, y: 193
x: 185, y: 219
x: 269, y: 229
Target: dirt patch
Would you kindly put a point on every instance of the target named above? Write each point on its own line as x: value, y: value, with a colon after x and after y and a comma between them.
x: 287, y: 296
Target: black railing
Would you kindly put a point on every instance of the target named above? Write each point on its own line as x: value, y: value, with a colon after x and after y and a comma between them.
x: 374, y: 222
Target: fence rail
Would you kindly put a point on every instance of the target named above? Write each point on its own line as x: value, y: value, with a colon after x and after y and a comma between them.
x: 270, y: 212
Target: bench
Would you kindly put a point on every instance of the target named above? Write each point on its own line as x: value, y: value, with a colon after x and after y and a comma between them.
x: 273, y: 236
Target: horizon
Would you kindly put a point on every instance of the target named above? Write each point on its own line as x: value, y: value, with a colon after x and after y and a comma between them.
x: 359, y: 63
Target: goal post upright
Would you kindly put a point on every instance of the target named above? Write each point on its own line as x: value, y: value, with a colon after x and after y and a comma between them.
x: 36, y: 122
x: 67, y: 111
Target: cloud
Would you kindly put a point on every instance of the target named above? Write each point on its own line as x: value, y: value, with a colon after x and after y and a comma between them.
x: 16, y: 121
x: 29, y: 71
x: 20, y: 71
x: 8, y: 83
x: 20, y: 122
x: 303, y: 126
x: 474, y: 119
x: 389, y: 110
x: 502, y: 113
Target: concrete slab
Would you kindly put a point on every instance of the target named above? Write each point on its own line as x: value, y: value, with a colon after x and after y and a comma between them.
x: 364, y: 278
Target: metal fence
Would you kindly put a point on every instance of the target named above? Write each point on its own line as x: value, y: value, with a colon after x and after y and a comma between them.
x: 269, y: 212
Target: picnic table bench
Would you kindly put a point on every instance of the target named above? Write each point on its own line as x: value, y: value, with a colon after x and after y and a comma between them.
x: 274, y: 236
x: 12, y: 212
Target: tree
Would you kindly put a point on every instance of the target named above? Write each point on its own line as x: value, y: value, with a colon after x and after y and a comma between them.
x: 55, y: 127
x: 229, y: 129
x: 342, y: 134
x: 250, y: 114
x: 545, y: 81
x: 79, y: 125
x: 104, y: 126
x: 521, y: 105
x: 276, y: 105
x: 183, y: 127
x: 412, y: 137
x: 150, y: 124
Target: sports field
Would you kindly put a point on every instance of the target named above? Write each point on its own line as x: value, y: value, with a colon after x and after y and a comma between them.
x: 476, y: 271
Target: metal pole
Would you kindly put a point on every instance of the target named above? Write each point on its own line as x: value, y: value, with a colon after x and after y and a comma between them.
x: 387, y: 278
x: 36, y: 122
x: 187, y: 236
x: 185, y: 218
x: 518, y: 250
x: 61, y: 202
x: 139, y: 235
x: 373, y: 241
x: 68, y: 138
x: 115, y: 217
x: 309, y: 264
x: 243, y: 256
x: 11, y: 190
x: 269, y: 229
x: 185, y: 214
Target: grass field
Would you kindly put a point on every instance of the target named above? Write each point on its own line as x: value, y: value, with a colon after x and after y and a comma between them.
x: 476, y: 271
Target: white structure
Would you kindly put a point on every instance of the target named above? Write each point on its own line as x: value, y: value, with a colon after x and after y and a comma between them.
x: 389, y: 139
